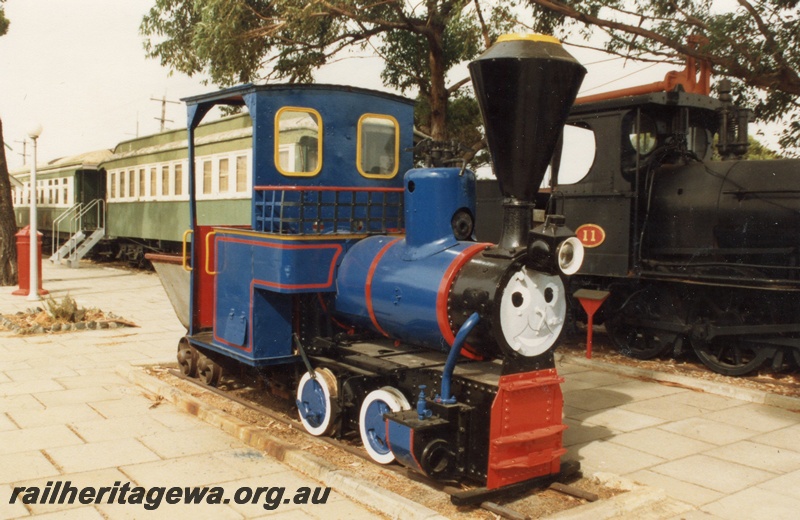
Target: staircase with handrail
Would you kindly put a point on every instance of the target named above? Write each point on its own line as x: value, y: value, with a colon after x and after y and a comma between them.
x: 79, y: 244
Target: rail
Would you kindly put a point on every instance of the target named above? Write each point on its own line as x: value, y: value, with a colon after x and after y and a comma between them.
x: 320, y: 210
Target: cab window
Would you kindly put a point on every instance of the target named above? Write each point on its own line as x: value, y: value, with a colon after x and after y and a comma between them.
x: 378, y: 146
x: 298, y: 141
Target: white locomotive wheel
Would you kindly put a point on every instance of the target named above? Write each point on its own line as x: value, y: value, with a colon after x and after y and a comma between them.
x: 316, y: 398
x: 532, y: 311
x: 372, y: 424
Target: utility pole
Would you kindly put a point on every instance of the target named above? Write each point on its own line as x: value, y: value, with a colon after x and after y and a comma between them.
x: 24, y: 153
x: 163, y: 117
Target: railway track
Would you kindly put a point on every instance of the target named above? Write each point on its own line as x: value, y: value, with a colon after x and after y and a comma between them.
x: 492, y: 507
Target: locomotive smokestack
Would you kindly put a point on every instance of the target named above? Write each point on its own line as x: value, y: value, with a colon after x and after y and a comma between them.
x: 525, y: 86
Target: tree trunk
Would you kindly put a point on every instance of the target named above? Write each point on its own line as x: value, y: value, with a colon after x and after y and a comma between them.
x: 438, y: 92
x: 8, y: 223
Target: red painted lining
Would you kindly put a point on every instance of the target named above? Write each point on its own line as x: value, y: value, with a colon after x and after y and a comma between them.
x: 444, y: 290
x: 368, y: 285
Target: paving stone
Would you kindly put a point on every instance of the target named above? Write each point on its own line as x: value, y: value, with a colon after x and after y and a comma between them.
x: 28, y: 387
x: 717, y: 474
x: 710, y: 431
x: 128, y: 405
x: 76, y: 396
x: 195, y: 470
x: 169, y: 511
x: 104, y: 379
x: 281, y: 500
x: 788, y: 482
x: 618, y: 419
x: 101, y: 455
x: 8, y: 511
x: 6, y: 423
x: 608, y: 457
x: 592, y: 399
x: 118, y: 428
x: 57, y: 415
x: 598, y: 378
x: 38, y: 373
x: 30, y: 439
x: 24, y: 466
x: 783, y: 438
x: 20, y: 402
x: 173, y: 444
x: 756, y: 503
x: 757, y: 417
x: 644, y: 390
x: 80, y: 513
x: 661, y: 443
x: 95, y: 479
x: 760, y: 456
x: 677, y: 488
x: 581, y: 433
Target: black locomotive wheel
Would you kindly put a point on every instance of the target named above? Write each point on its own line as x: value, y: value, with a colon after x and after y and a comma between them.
x: 630, y: 329
x: 726, y: 355
x: 729, y: 356
x: 208, y: 371
x: 187, y: 358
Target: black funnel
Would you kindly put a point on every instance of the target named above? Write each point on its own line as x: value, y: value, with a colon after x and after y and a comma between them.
x: 525, y: 86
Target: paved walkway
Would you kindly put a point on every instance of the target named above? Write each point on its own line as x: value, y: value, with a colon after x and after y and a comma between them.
x: 66, y: 415
x: 721, y: 457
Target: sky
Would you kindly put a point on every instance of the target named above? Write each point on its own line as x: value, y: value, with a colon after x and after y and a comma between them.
x: 79, y: 70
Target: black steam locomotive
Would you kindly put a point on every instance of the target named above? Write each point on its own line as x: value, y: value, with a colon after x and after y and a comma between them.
x: 364, y: 289
x: 696, y: 253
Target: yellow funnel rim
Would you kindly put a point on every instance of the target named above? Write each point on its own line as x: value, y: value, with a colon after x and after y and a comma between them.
x: 546, y: 38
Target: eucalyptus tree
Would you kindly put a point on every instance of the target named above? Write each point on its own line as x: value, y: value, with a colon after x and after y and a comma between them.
x: 420, y: 42
x: 755, y: 43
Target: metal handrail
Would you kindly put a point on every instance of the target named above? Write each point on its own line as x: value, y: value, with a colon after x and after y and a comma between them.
x: 57, y: 224
x: 97, y: 204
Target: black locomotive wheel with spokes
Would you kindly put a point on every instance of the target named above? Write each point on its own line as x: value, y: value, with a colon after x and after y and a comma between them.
x: 728, y: 355
x: 633, y: 327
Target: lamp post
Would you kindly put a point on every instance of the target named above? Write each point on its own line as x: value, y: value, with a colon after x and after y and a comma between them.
x: 33, y: 294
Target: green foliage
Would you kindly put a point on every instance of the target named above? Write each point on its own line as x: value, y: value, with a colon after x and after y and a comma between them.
x: 754, y: 43
x: 236, y: 41
x: 4, y: 23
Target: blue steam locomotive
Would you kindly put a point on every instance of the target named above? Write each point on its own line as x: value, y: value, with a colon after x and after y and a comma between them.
x: 364, y: 291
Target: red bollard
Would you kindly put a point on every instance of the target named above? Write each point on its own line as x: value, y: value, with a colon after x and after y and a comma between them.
x: 24, y: 262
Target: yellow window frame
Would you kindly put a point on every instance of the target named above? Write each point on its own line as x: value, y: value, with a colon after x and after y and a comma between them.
x: 396, y: 146
x: 277, y: 140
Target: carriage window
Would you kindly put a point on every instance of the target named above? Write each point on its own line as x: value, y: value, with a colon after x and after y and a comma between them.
x: 643, y: 140
x: 378, y: 146
x: 223, y: 175
x: 165, y: 180
x: 298, y: 142
x: 241, y: 173
x: 207, y: 176
x: 179, y: 179
x: 131, y: 183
